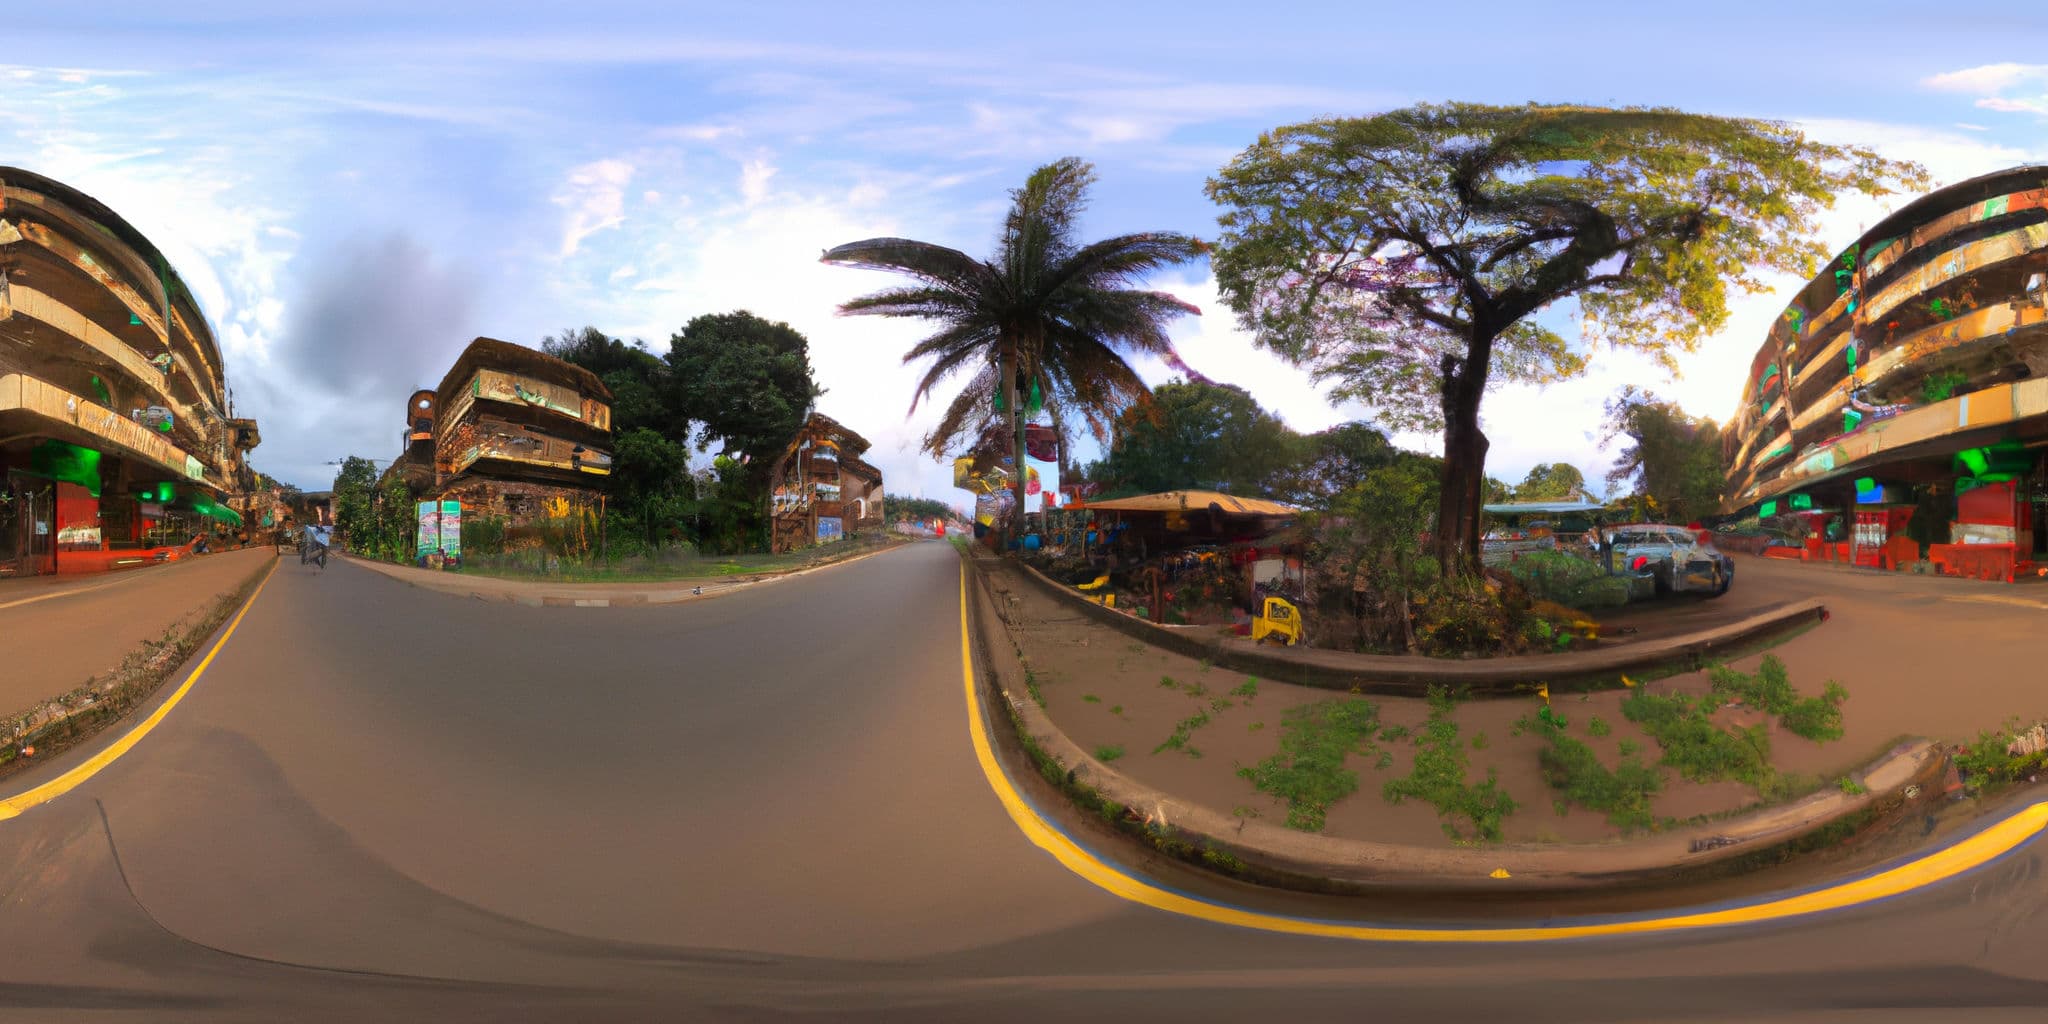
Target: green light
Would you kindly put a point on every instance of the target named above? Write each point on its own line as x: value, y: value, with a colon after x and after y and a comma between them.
x: 134, y: 321
x: 67, y: 463
x: 1976, y: 460
x: 1866, y: 484
x: 1769, y: 509
x: 1802, y: 501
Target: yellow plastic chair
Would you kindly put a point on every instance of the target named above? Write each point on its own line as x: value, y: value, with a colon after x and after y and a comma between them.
x: 1277, y: 619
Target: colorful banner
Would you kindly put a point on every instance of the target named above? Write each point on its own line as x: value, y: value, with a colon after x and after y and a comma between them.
x: 430, y: 528
x: 451, y: 529
x: 830, y: 529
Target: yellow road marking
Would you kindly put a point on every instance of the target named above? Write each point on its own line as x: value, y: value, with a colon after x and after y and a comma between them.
x: 65, y: 783
x: 1972, y: 852
x: 1996, y: 599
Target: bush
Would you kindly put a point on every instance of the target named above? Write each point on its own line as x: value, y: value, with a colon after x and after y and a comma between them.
x: 1569, y: 580
x: 1460, y: 616
x: 483, y: 535
x: 1815, y: 718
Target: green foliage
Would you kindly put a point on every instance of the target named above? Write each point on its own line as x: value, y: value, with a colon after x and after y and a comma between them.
x: 1181, y: 731
x: 635, y: 376
x: 1309, y: 771
x: 1329, y: 462
x: 1569, y: 580
x: 1941, y: 385
x: 1852, y: 787
x: 483, y: 536
x: 1598, y: 727
x: 919, y: 509
x: 1108, y: 753
x: 1815, y: 718
x: 1460, y: 615
x: 1985, y: 764
x: 1056, y: 314
x: 1195, y: 435
x: 1673, y: 460
x: 1089, y: 698
x: 1403, y: 255
x: 1248, y: 689
x: 1551, y: 481
x: 1438, y: 778
x: 1696, y: 747
x: 1367, y: 554
x: 1572, y: 769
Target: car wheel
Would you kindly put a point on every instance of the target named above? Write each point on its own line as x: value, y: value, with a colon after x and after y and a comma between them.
x: 1662, y: 584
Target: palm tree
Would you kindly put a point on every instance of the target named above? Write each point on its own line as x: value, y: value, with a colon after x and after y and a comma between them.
x: 1044, y: 311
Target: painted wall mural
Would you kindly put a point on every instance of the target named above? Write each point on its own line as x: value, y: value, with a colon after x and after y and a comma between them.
x: 507, y: 387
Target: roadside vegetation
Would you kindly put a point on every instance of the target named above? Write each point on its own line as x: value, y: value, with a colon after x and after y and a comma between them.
x: 1309, y: 771
x: 1470, y: 813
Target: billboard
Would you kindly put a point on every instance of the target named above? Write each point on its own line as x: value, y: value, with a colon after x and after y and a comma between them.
x: 451, y: 529
x: 830, y: 529
x: 430, y: 528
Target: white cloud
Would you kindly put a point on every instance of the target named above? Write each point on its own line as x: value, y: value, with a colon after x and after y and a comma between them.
x: 754, y: 178
x: 2003, y: 105
x: 1986, y: 79
x: 595, y: 196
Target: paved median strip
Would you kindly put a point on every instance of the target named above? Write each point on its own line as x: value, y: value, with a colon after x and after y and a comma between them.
x: 1963, y: 855
x: 13, y: 806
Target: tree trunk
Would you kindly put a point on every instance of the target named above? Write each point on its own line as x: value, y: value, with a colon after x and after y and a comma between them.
x: 1459, y: 506
x: 1006, y: 371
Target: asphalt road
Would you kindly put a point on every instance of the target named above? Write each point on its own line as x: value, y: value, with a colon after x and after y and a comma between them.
x: 383, y: 803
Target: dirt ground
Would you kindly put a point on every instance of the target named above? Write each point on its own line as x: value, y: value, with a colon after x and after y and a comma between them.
x: 1919, y: 656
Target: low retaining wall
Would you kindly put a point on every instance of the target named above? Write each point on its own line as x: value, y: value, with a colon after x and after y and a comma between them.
x: 1285, y: 858
x: 1407, y: 676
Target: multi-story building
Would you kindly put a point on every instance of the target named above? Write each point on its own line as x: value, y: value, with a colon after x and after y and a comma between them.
x: 822, y: 491
x: 1910, y: 379
x: 116, y: 444
x: 510, y: 433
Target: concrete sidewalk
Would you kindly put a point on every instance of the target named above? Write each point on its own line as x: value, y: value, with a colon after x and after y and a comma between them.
x: 558, y: 594
x: 55, y: 632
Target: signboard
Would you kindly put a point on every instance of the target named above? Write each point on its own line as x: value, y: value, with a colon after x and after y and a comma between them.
x: 830, y: 529
x: 451, y: 529
x: 430, y: 528
x: 193, y: 469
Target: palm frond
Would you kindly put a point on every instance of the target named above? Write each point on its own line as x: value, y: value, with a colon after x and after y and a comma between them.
x: 936, y: 264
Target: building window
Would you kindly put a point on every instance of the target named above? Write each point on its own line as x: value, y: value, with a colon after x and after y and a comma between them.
x: 516, y: 505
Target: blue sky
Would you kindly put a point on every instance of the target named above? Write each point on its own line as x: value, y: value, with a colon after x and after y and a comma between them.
x: 355, y: 196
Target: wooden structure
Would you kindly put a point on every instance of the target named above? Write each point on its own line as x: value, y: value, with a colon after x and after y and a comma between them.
x: 820, y: 490
x: 510, y: 433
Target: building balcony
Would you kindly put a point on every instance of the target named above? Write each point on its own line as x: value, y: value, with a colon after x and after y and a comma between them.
x: 32, y: 406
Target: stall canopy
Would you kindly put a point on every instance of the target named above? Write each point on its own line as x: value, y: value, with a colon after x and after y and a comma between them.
x: 1544, y: 508
x: 1195, y: 501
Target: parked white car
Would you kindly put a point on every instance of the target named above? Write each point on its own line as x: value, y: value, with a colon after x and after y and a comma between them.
x: 1672, y: 557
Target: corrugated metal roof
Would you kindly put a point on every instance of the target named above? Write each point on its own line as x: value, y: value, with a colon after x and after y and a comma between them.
x: 1195, y: 501
x: 1544, y: 507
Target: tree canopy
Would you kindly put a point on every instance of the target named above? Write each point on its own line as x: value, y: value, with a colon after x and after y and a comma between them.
x: 1196, y: 436
x: 921, y: 509
x: 1046, y: 315
x: 1404, y: 255
x: 1672, y: 458
x: 1550, y: 481
x: 747, y: 381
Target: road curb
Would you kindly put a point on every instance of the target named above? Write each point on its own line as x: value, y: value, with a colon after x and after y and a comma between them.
x: 448, y: 583
x: 1391, y: 675
x: 1283, y: 858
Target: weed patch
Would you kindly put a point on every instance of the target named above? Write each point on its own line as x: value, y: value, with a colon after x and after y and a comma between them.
x: 1309, y: 771
x: 1815, y: 718
x: 1108, y: 752
x: 1181, y: 732
x: 1090, y: 698
x: 1438, y: 778
x: 1697, y: 748
x: 1247, y: 689
x: 1572, y: 769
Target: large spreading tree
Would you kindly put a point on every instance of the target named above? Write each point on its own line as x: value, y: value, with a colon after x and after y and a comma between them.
x: 1045, y: 314
x: 1405, y: 255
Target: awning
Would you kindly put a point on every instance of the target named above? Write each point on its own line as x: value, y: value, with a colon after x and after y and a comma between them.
x: 1530, y: 508
x: 1195, y: 501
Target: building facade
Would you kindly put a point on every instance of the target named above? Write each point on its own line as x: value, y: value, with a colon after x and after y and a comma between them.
x: 116, y: 443
x: 821, y: 490
x: 511, y: 433
x: 1909, y: 380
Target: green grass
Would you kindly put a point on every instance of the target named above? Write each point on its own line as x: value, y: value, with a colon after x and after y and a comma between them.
x: 1852, y: 787
x: 1108, y: 752
x: 1181, y: 732
x: 1116, y: 709
x: 1255, y: 727
x: 1031, y: 687
x: 1598, y: 727
x: 1815, y: 718
x: 1167, y: 683
x: 1697, y: 748
x: 1438, y: 778
x: 1090, y: 698
x: 1217, y: 704
x: 1247, y: 689
x: 1985, y: 765
x: 1571, y: 768
x: 1309, y: 771
x: 1393, y: 732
